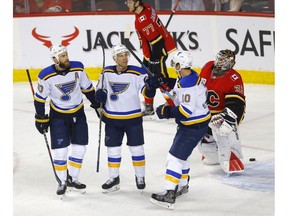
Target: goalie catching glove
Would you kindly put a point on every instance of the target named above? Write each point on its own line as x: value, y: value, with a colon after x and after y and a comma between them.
x: 42, y: 123
x: 223, y: 123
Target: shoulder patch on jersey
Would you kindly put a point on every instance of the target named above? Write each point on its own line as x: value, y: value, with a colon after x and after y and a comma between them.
x: 76, y: 66
x: 109, y: 69
x: 135, y: 69
x: 47, y: 73
x: 189, y: 81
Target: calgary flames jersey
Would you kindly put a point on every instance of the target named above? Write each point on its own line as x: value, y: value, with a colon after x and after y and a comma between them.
x: 222, y: 89
x: 150, y: 30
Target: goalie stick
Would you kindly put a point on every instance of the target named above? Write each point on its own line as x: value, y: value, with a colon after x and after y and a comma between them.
x: 101, y: 107
x: 126, y: 40
x: 44, y: 134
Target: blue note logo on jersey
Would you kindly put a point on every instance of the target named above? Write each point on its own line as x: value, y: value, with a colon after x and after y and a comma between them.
x: 66, y: 89
x: 117, y: 88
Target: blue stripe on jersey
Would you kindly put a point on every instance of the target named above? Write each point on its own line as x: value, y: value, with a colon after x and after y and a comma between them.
x: 114, y: 160
x: 38, y: 98
x: 77, y: 160
x: 138, y: 158
x: 89, y: 88
x: 184, y: 111
x: 74, y: 109
x: 130, y: 69
x: 185, y: 171
x: 196, y: 119
x: 122, y: 115
x: 174, y: 174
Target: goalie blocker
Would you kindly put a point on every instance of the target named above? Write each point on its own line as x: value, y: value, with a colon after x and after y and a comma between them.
x: 226, y: 148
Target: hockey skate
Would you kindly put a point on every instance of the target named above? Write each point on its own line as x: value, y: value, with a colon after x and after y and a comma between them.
x: 111, y: 185
x: 184, y: 189
x: 165, y: 199
x: 61, y: 190
x: 140, y: 182
x: 149, y: 110
x: 75, y: 184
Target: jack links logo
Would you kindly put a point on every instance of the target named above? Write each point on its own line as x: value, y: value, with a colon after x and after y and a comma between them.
x: 48, y: 43
x: 258, y: 43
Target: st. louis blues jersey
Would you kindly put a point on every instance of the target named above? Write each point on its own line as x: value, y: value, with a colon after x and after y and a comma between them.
x: 190, y: 100
x: 65, y: 89
x: 123, y: 105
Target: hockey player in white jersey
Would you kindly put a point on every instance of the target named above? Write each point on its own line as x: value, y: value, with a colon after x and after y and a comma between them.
x: 118, y: 89
x: 192, y: 115
x: 64, y: 82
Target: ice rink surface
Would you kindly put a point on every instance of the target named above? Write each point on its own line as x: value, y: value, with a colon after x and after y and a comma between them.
x: 211, y: 192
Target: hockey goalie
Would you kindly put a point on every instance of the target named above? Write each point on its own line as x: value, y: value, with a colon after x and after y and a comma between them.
x: 226, y: 101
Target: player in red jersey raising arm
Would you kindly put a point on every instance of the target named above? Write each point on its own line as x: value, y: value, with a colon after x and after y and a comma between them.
x: 157, y: 44
x: 226, y: 100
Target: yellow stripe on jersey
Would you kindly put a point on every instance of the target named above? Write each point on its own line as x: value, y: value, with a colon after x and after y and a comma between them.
x: 39, y: 100
x: 197, y: 120
x: 183, y: 112
x: 49, y: 75
x: 131, y: 116
x: 66, y: 111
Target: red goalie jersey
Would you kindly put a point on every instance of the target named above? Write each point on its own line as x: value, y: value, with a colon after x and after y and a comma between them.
x: 224, y: 91
x: 150, y: 30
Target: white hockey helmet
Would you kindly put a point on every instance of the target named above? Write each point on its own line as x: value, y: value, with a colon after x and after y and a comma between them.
x: 117, y: 49
x: 57, y: 50
x: 183, y: 58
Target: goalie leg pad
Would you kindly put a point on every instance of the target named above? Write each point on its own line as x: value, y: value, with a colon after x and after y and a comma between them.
x: 209, y: 150
x: 230, y: 153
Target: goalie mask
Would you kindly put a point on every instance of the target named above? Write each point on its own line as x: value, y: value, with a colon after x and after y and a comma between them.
x: 183, y: 59
x: 118, y: 49
x: 225, y: 60
x: 57, y: 50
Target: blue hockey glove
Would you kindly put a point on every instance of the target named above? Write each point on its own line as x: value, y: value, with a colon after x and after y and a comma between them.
x: 163, y: 111
x: 154, y: 82
x: 101, y: 96
x: 42, y: 123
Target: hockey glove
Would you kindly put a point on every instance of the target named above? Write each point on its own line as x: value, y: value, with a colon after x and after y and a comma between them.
x: 42, y: 123
x: 163, y: 111
x: 101, y: 96
x: 154, y: 82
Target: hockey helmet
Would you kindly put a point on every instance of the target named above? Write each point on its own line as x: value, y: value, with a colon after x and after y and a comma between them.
x: 117, y: 49
x: 225, y: 60
x: 183, y: 58
x: 57, y: 50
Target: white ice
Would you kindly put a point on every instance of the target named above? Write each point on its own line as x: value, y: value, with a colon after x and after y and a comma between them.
x: 211, y: 192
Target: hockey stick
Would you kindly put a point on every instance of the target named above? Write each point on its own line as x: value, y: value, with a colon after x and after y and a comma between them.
x: 45, y: 137
x: 164, y: 87
x: 101, y: 108
x: 172, y: 14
